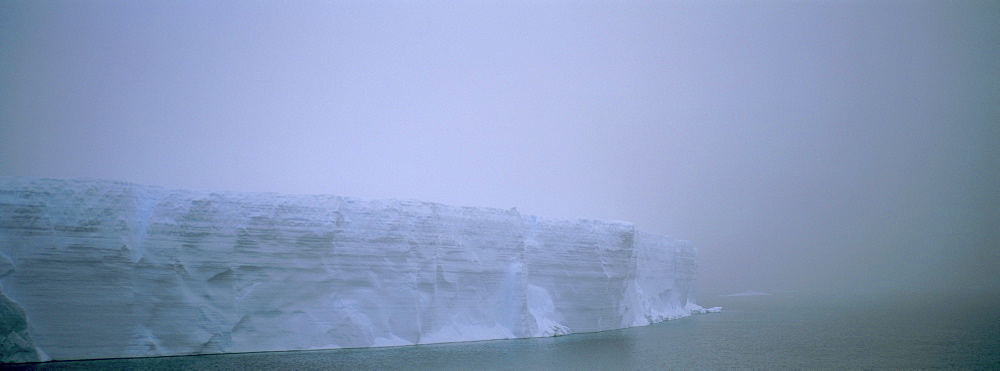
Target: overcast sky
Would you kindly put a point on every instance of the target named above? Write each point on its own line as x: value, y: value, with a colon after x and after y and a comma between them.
x: 800, y: 145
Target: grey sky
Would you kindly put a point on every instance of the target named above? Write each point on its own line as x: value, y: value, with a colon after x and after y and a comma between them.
x: 800, y: 145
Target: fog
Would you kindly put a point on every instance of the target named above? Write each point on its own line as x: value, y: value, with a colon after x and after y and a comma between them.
x: 814, y: 146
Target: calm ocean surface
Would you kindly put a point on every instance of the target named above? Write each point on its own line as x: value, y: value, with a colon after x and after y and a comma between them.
x: 777, y: 331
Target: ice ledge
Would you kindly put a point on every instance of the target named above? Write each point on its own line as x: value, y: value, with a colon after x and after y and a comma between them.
x: 99, y: 269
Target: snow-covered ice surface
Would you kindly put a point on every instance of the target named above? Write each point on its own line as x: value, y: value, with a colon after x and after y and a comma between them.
x: 102, y: 269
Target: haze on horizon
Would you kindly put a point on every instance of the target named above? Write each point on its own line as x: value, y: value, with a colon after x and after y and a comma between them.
x: 810, y: 146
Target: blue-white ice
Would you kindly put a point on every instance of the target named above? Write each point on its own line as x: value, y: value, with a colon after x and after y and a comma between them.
x: 98, y: 269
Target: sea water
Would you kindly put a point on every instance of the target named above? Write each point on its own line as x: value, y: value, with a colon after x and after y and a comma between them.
x: 787, y: 330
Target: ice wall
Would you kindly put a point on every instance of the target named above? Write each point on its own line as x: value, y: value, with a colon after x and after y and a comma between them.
x: 98, y: 269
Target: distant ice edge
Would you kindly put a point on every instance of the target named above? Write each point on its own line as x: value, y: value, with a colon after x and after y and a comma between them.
x: 103, y: 269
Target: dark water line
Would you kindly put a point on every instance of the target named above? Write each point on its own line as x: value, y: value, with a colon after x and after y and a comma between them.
x: 777, y: 331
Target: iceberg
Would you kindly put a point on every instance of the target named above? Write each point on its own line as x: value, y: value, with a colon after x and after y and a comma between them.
x: 104, y: 269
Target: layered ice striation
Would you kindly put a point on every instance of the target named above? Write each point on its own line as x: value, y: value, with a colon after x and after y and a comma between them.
x: 101, y: 269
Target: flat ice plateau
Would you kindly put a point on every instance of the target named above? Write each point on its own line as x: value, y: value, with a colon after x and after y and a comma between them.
x: 104, y: 269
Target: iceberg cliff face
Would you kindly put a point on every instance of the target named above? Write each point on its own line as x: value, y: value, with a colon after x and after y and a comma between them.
x: 99, y: 269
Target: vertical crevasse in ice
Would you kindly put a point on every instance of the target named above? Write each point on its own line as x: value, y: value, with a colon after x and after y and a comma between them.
x: 98, y: 269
